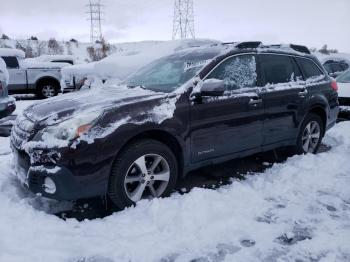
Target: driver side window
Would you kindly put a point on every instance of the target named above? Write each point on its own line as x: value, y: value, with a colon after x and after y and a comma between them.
x: 237, y: 72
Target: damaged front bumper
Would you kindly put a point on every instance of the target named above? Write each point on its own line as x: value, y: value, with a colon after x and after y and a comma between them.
x: 52, y: 181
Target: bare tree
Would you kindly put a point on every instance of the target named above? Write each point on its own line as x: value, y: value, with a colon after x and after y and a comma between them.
x: 29, y: 51
x: 5, y: 37
x: 54, y: 47
x: 69, y: 48
x: 20, y: 46
x: 41, y: 48
x: 326, y: 51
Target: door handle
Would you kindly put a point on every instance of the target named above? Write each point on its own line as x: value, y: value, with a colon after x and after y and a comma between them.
x: 255, y: 102
x: 303, y: 93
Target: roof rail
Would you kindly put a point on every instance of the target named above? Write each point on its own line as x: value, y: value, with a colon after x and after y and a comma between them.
x: 256, y: 44
x: 251, y: 44
x: 300, y: 48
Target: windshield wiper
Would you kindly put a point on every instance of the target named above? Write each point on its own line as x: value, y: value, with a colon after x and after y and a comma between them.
x: 141, y: 86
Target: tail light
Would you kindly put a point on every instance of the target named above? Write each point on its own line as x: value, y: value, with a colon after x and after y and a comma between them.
x: 334, y: 85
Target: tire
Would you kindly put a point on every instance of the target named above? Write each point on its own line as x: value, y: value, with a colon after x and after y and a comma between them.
x: 311, y: 127
x: 47, y: 89
x: 129, y: 176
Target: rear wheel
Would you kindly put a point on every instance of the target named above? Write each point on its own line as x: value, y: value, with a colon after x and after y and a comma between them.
x: 310, y: 135
x: 144, y: 170
x: 47, y: 89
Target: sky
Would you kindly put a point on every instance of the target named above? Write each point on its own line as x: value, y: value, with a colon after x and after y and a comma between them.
x: 309, y: 22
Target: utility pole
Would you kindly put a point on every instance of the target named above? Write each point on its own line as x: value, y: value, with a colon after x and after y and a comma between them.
x: 183, y: 25
x: 95, y: 18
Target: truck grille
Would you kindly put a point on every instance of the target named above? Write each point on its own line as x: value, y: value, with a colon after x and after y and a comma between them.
x: 22, y: 131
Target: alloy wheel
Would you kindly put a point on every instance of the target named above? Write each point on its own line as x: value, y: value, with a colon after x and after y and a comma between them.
x: 48, y: 91
x: 311, y: 137
x: 147, y: 177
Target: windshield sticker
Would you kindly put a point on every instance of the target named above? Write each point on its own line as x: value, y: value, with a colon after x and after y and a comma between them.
x: 193, y: 64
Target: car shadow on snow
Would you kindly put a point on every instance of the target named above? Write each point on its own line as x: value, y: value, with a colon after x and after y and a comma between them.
x: 211, y: 177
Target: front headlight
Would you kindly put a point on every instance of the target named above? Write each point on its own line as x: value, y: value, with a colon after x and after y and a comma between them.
x: 69, y: 129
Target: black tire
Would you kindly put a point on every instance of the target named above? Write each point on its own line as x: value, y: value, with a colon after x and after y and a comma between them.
x: 44, y: 84
x: 122, y: 165
x: 310, y: 118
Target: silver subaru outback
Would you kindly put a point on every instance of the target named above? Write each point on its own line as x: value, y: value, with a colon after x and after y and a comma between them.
x: 7, y: 103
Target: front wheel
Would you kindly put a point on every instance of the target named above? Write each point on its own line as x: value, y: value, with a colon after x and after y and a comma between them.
x: 310, y: 134
x: 146, y: 169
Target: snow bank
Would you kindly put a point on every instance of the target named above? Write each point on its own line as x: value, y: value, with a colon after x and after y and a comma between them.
x: 297, y: 210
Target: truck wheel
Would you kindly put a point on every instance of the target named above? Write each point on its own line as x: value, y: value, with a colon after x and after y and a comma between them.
x: 47, y: 89
x: 310, y: 135
x: 146, y: 169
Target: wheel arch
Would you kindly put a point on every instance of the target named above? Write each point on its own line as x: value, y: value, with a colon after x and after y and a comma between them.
x: 320, y: 110
x: 161, y: 136
x: 46, y: 79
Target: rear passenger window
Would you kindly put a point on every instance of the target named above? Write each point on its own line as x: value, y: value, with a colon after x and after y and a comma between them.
x: 278, y: 69
x: 11, y: 62
x: 309, y: 68
x: 237, y: 72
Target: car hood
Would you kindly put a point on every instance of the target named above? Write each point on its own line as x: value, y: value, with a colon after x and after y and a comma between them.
x: 58, y: 109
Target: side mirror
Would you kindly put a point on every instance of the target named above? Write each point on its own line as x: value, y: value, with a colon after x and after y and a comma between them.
x: 213, y: 87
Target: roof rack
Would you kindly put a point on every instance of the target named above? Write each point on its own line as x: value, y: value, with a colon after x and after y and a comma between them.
x: 300, y: 48
x: 256, y: 44
x: 251, y: 44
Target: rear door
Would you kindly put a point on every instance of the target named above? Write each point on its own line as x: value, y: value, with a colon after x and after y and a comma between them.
x: 18, y: 78
x: 232, y: 123
x: 283, y: 96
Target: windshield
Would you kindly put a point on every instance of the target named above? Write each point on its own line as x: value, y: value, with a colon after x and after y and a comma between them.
x: 170, y: 72
x: 345, y: 77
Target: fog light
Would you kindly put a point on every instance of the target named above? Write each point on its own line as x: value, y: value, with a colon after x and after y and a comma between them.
x: 49, y: 186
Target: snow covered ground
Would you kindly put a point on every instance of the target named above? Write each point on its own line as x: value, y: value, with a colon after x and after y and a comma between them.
x: 298, y: 210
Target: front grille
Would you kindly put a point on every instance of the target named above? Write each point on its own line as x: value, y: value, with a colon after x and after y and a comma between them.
x: 22, y: 131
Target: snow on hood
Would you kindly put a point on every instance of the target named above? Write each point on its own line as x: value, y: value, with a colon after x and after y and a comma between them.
x: 67, y: 105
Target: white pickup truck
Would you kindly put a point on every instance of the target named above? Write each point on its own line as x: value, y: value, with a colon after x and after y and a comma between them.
x: 40, y: 78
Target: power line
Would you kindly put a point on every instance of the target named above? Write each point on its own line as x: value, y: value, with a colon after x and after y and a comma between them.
x: 183, y: 25
x: 95, y: 18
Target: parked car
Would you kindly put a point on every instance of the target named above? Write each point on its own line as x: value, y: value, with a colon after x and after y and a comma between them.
x: 344, y: 96
x: 7, y: 104
x: 39, y: 78
x: 191, y: 109
x: 336, y: 67
x: 344, y: 88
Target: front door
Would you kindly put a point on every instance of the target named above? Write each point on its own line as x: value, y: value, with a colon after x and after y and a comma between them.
x: 231, y: 123
x: 18, y: 78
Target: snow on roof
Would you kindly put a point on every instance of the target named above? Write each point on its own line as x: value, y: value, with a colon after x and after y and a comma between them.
x: 49, y: 58
x: 122, y: 64
x: 12, y: 52
x: 130, y: 57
